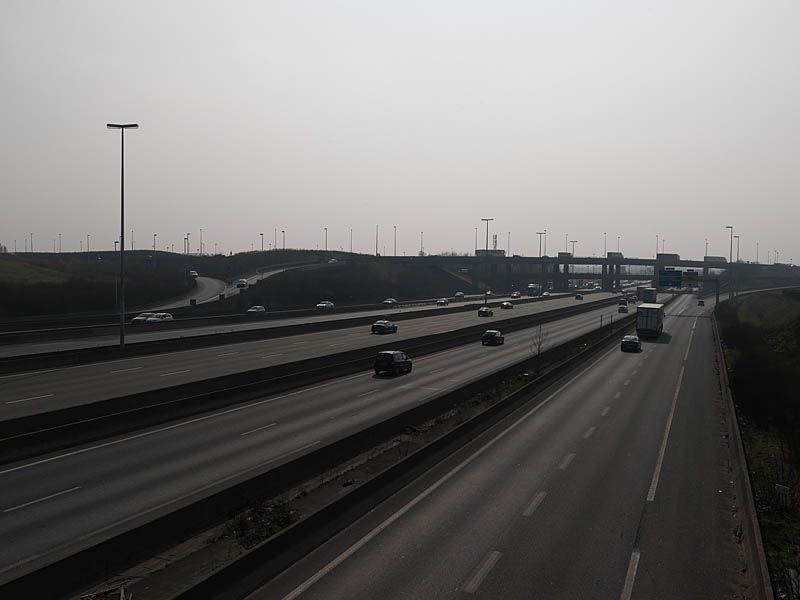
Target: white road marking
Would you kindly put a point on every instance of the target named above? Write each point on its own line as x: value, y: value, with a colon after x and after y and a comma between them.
x: 303, y: 587
x: 534, y: 504
x: 630, y: 576
x: 605, y: 411
x: 226, y: 354
x: 635, y: 371
x: 617, y: 395
x: 336, y: 344
x: 158, y: 507
x: 486, y: 565
x: 270, y: 355
x: 589, y: 432
x: 436, y: 371
x: 367, y: 393
x: 258, y: 429
x: 126, y: 370
x: 31, y: 398
x: 627, y: 382
x: 13, y: 508
x: 565, y: 462
x: 651, y: 494
x: 298, y: 343
x: 27, y: 373
x: 162, y: 429
x: 174, y: 373
x: 689, y: 345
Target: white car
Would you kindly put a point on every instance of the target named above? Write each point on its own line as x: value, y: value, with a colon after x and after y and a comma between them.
x: 257, y: 309
x: 515, y: 294
x: 390, y: 302
x: 241, y: 283
x: 193, y: 274
x: 325, y: 305
x: 159, y: 318
x: 545, y: 293
x: 141, y: 318
x: 442, y: 302
x: 506, y: 305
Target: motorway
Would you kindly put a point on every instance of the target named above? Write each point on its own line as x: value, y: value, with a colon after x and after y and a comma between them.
x: 54, y: 504
x: 147, y: 333
x: 40, y: 391
x: 613, y: 485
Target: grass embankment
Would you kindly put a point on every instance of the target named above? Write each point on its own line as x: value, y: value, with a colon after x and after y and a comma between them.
x: 762, y: 338
x: 352, y: 282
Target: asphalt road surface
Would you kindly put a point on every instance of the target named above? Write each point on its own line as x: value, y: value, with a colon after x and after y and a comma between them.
x: 40, y: 391
x: 55, y: 504
x: 615, y: 486
x: 208, y: 289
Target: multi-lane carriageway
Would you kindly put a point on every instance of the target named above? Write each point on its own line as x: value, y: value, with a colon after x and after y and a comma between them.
x: 611, y: 484
x: 28, y: 393
x: 55, y: 503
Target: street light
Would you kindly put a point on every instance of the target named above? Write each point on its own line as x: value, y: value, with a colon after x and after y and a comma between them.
x: 154, y: 241
x: 88, y: 235
x: 573, y: 242
x: 262, y: 241
x: 618, y: 238
x: 326, y: 238
x: 540, y: 234
x: 605, y: 252
x: 201, y: 240
x: 487, y: 234
x: 476, y: 240
x: 395, y: 240
x: 283, y: 235
x: 188, y: 244
x: 122, y: 127
x: 730, y: 261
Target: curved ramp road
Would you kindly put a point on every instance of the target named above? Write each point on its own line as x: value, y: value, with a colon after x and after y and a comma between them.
x: 208, y: 289
x: 34, y: 392
x: 144, y: 474
x: 614, y: 486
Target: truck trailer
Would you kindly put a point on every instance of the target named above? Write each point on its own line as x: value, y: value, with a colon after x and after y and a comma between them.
x: 649, y: 320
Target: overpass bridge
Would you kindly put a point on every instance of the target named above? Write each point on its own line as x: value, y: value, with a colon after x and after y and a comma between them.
x: 556, y: 272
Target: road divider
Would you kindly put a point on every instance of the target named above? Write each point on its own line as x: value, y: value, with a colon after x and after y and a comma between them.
x: 36, y: 434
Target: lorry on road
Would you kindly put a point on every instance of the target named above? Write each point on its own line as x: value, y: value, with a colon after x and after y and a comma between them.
x: 649, y: 320
x: 647, y: 294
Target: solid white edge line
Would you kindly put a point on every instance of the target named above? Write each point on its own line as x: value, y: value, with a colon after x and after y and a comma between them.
x: 483, y: 569
x: 534, y: 504
x: 175, y: 373
x: 300, y: 589
x: 630, y: 576
x: 61, y: 493
x: 651, y: 494
x: 605, y: 411
x: 589, y: 432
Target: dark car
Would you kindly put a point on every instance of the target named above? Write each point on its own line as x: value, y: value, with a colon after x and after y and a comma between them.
x: 701, y: 303
x: 485, y: 311
x: 623, y: 308
x: 578, y: 296
x: 384, y: 326
x: 492, y: 337
x: 392, y: 361
x: 631, y: 343
x: 506, y: 305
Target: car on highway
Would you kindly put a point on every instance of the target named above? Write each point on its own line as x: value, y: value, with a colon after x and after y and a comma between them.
x: 193, y: 274
x: 488, y: 292
x: 159, y: 318
x: 631, y: 343
x: 384, y: 326
x: 545, y: 293
x: 324, y: 305
x: 578, y: 296
x: 442, y: 302
x: 459, y: 295
x: 485, y: 311
x: 390, y: 302
x: 506, y: 305
x: 492, y: 337
x: 333, y: 261
x: 141, y: 318
x: 257, y: 309
x: 623, y: 308
x: 515, y: 294
x: 392, y: 361
x: 241, y: 283
x: 701, y: 303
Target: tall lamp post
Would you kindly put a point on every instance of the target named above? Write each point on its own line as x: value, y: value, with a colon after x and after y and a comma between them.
x: 573, y: 242
x: 122, y: 127
x: 283, y: 235
x: 395, y: 240
x: 262, y: 241
x: 154, y: 241
x: 730, y: 262
x: 618, y: 238
x: 605, y: 252
x: 326, y: 239
x: 540, y: 234
x: 487, y: 234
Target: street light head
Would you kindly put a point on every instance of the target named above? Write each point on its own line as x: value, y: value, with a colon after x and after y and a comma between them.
x: 122, y: 125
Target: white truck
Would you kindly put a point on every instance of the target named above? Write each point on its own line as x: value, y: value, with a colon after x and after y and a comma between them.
x: 649, y: 320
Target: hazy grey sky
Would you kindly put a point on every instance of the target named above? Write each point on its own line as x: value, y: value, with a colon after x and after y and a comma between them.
x: 632, y: 117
